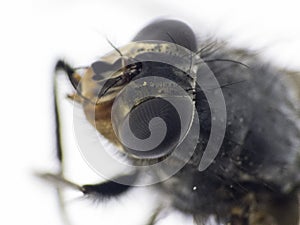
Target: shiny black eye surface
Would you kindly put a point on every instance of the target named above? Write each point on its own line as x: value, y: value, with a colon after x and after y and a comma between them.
x: 154, y: 111
x: 172, y: 31
x: 141, y: 119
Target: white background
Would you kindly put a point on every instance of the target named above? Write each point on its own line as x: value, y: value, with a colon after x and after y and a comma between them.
x: 34, y: 34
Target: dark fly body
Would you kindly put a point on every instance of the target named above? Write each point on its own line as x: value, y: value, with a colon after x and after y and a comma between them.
x: 253, y: 179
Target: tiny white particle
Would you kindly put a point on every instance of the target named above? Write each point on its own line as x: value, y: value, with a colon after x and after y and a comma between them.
x: 194, y: 188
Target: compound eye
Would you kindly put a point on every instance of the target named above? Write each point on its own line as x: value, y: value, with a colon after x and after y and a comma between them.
x: 152, y: 114
x: 155, y: 124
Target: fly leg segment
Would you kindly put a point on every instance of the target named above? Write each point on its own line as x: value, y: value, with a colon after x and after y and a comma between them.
x: 101, y: 191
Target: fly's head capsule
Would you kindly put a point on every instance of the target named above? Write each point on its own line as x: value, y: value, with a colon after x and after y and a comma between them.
x: 143, y: 106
